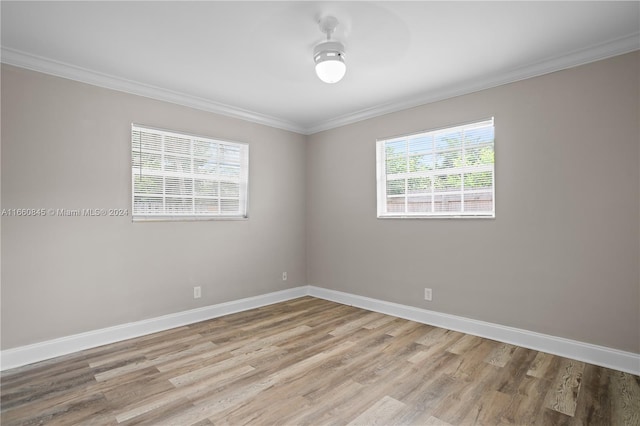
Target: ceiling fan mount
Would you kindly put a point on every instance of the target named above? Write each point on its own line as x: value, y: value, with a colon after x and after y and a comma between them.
x: 329, y: 55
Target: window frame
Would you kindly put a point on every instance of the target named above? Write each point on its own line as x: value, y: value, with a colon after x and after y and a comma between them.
x: 382, y: 176
x: 242, y: 180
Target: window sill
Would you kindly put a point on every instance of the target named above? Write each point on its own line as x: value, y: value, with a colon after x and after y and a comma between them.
x: 438, y: 217
x: 185, y: 218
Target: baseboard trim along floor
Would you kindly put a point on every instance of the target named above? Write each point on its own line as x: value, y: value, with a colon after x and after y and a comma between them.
x: 599, y: 355
x: 41, y: 351
x: 593, y: 354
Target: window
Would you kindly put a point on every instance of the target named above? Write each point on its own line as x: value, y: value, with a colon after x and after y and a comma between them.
x: 441, y: 173
x: 177, y: 176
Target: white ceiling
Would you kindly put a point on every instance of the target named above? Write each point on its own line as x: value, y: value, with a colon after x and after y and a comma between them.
x: 254, y: 59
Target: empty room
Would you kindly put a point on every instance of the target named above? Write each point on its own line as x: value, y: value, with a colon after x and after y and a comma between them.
x: 320, y: 213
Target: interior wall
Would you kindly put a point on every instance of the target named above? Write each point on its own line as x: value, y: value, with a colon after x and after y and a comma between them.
x: 66, y: 145
x: 561, y: 256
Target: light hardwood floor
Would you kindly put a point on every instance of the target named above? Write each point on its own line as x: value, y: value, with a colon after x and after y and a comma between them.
x: 313, y: 362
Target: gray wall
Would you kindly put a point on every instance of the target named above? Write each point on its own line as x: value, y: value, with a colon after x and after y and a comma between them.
x: 67, y: 145
x: 561, y: 257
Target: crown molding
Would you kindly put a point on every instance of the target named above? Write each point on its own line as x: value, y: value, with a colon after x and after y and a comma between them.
x: 61, y: 69
x: 583, y: 56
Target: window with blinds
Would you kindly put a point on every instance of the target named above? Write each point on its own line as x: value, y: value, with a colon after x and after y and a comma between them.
x: 441, y: 173
x: 177, y: 176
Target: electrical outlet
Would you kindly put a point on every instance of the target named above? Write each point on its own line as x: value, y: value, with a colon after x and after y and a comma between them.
x: 197, y: 292
x: 427, y: 294
x: 284, y: 276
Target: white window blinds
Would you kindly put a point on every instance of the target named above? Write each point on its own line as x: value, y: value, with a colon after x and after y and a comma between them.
x: 441, y: 173
x: 178, y: 176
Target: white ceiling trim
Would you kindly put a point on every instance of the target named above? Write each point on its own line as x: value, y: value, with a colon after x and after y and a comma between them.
x: 579, y: 57
x: 72, y: 72
x: 594, y: 53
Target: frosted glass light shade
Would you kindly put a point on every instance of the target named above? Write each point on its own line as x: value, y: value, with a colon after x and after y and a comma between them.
x: 329, y: 59
x: 331, y: 71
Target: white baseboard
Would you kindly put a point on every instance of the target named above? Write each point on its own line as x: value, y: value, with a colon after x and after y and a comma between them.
x: 599, y: 355
x: 24, y: 355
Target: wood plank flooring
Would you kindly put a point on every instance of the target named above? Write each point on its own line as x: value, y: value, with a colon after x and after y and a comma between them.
x: 313, y: 362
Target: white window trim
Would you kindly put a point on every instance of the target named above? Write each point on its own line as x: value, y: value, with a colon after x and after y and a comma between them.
x: 381, y: 178
x: 193, y: 216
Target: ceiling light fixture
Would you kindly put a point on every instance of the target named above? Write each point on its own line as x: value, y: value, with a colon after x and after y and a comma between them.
x: 329, y: 55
